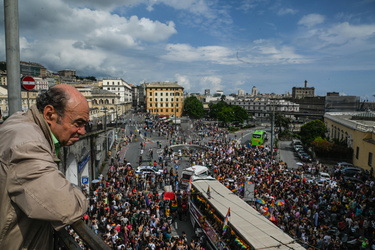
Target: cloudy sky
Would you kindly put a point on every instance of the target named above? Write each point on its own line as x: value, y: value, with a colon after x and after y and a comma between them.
x: 207, y: 44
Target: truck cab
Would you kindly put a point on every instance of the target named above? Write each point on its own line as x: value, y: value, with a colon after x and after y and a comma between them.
x: 195, y: 172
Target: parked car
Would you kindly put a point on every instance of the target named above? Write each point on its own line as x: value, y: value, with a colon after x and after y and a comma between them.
x: 351, y: 171
x: 344, y: 164
x: 148, y: 170
x: 298, y: 148
x: 322, y: 182
x: 350, y: 182
x: 324, y: 175
x: 305, y: 157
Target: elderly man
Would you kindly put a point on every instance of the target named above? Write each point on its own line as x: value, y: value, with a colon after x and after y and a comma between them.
x: 35, y: 196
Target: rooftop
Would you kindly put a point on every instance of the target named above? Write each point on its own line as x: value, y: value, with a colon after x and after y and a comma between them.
x: 163, y: 85
x: 360, y: 120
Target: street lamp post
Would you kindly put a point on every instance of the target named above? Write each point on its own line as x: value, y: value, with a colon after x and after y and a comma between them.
x: 272, y: 128
x: 116, y: 117
x: 105, y: 132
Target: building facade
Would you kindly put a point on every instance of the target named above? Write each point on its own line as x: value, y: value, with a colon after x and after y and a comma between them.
x: 302, y: 92
x: 122, y: 89
x: 262, y: 107
x: 164, y: 98
x: 119, y: 87
x: 357, y: 129
x: 335, y: 103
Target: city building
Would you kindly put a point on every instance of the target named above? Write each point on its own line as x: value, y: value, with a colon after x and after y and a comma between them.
x: 302, y: 92
x: 67, y: 73
x: 164, y: 98
x: 261, y: 107
x: 120, y: 88
x: 28, y: 98
x: 41, y: 83
x: 336, y: 103
x: 254, y: 91
x: 357, y: 129
x: 135, y: 97
x: 241, y: 92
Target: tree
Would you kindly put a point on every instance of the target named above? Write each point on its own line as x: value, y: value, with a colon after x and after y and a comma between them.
x: 228, y: 113
x: 312, y: 130
x: 282, y: 122
x: 240, y: 114
x: 193, y: 107
x: 216, y: 108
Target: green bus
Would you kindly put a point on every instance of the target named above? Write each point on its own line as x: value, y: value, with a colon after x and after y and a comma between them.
x: 258, y: 138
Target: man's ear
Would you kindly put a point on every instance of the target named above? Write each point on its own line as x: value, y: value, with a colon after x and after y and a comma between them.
x: 50, y: 114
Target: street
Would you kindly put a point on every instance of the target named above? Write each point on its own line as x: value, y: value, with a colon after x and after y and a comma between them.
x: 146, y: 141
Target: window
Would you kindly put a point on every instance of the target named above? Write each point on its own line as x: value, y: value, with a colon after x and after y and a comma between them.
x: 357, y: 153
x: 161, y: 94
x: 166, y: 94
x: 166, y: 110
x: 150, y: 99
x: 161, y: 99
x: 156, y: 94
x: 150, y: 105
x: 166, y: 99
x: 370, y: 159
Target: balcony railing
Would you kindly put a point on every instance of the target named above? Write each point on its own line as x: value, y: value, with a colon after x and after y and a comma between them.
x: 90, y: 239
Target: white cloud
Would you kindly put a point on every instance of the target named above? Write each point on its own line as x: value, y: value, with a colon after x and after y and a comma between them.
x: 339, y: 39
x: 195, y: 6
x: 107, y: 5
x: 187, y: 53
x: 344, y: 32
x: 311, y: 20
x: 213, y: 83
x: 184, y: 81
x: 270, y: 52
x: 286, y: 11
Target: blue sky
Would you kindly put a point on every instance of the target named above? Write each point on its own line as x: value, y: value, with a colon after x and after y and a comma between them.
x: 207, y: 44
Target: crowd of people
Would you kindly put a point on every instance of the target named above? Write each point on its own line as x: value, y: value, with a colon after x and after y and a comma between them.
x: 333, y: 215
x: 130, y: 212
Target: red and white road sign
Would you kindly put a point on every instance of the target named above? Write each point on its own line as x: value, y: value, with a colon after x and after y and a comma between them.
x: 28, y: 82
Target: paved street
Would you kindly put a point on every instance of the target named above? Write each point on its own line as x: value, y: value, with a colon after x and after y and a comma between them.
x: 132, y: 151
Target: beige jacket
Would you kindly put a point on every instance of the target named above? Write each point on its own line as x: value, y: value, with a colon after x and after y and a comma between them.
x: 35, y: 196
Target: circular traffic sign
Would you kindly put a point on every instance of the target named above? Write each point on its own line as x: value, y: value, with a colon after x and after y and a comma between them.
x: 28, y: 83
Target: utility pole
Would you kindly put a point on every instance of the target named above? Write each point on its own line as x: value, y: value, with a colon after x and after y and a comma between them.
x: 12, y: 56
x: 105, y: 132
x: 272, y: 128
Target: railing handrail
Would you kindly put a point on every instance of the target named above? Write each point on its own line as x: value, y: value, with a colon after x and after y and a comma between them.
x: 88, y: 236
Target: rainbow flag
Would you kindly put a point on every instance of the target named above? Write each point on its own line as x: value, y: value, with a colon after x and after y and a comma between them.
x: 190, y: 184
x: 174, y: 205
x: 226, y: 221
